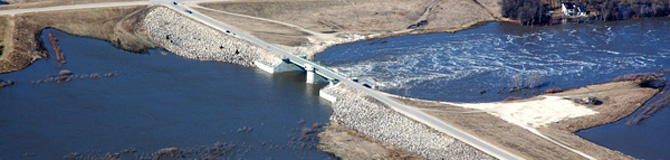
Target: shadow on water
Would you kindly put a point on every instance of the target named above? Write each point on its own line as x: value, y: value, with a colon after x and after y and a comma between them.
x: 480, y: 65
x: 157, y: 101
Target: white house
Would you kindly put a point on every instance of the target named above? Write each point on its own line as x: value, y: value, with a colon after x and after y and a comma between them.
x: 571, y: 9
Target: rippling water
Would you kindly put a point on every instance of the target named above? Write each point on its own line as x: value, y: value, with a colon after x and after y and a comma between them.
x: 476, y: 65
x: 157, y: 101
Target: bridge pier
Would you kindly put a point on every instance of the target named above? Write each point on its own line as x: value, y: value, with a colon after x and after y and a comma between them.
x: 284, y: 66
x: 312, y: 77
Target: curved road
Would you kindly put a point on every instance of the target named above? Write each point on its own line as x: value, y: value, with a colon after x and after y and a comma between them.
x: 401, y: 108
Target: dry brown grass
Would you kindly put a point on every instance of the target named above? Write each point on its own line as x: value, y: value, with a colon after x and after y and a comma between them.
x: 20, y: 4
x: 119, y: 25
x: 328, y: 16
x: 496, y: 131
x: 267, y: 31
x: 453, y: 15
x: 4, y: 29
x: 620, y: 99
x: 349, y: 144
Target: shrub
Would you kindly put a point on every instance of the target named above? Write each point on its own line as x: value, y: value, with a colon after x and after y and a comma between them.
x: 528, y: 12
x: 553, y: 90
x: 657, y: 102
x: 636, y: 77
x: 533, y: 79
x: 511, y: 98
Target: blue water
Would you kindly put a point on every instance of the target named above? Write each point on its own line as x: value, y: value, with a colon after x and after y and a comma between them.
x: 156, y: 101
x: 478, y: 65
x: 648, y: 140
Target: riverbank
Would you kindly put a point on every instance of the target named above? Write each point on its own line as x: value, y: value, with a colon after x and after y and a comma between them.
x: 326, y: 23
x: 345, y: 143
x: 156, y: 27
x: 118, y: 25
x: 364, y: 114
x: 505, y: 125
x: 142, y: 27
x: 322, y: 25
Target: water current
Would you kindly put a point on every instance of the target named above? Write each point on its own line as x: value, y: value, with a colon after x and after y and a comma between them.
x: 154, y: 101
x: 477, y: 65
x: 480, y: 65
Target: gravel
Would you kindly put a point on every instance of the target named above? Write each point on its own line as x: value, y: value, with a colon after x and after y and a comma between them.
x: 355, y: 110
x: 359, y: 112
x: 192, y: 39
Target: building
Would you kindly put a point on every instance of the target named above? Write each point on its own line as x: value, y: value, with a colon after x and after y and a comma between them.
x: 571, y: 9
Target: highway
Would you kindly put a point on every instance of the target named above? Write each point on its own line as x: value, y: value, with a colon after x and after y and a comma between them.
x: 410, y: 112
x: 393, y: 104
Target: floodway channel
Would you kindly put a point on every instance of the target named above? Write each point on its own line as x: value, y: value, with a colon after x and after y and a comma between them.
x: 353, y: 109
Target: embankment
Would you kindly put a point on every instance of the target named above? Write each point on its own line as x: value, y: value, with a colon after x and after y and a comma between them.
x: 135, y: 28
x: 138, y: 28
x: 189, y: 38
x: 121, y: 26
x: 505, y: 124
x: 356, y: 110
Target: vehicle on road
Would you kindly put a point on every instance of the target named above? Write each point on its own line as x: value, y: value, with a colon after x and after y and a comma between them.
x: 188, y: 11
x: 175, y: 3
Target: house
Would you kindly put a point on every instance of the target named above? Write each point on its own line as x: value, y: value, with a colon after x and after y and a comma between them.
x: 571, y: 9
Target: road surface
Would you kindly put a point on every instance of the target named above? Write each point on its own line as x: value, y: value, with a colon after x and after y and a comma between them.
x: 183, y: 6
x: 401, y: 108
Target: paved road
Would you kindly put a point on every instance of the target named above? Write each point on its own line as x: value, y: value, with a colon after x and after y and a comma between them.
x: 401, y: 108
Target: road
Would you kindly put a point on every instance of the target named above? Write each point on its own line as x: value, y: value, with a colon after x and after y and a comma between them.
x: 401, y: 108
x: 410, y: 112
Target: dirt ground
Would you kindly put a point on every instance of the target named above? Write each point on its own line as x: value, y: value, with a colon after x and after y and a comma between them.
x: 333, y: 22
x: 348, y: 144
x: 619, y: 100
x: 117, y: 25
x: 20, y: 4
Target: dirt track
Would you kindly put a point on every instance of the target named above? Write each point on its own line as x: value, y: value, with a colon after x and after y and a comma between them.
x: 619, y: 100
x: 335, y: 22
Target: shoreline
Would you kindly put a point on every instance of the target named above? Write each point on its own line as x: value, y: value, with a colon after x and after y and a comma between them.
x: 620, y: 99
x: 184, y: 47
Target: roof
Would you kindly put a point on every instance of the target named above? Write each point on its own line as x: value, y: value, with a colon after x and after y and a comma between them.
x: 569, y: 5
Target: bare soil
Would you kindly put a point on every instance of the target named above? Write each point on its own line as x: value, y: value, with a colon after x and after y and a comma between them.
x: 22, y: 4
x: 349, y: 144
x: 119, y: 25
x: 334, y: 22
x: 619, y: 100
x: 455, y: 15
x: 267, y: 31
x: 330, y: 16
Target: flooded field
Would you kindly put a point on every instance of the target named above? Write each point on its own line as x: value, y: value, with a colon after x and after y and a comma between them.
x: 140, y: 104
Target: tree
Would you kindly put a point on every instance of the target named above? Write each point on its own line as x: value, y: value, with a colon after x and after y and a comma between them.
x: 528, y: 12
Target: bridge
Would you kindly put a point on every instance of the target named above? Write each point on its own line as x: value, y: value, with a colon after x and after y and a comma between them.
x: 314, y: 75
x: 290, y: 59
x: 292, y: 62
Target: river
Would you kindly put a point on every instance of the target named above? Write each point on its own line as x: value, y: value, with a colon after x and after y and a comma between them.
x: 480, y: 65
x: 153, y: 101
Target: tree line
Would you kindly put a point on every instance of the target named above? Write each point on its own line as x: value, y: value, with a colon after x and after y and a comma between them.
x: 532, y: 12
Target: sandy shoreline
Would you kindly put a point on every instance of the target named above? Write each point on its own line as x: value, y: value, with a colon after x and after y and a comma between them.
x: 620, y: 99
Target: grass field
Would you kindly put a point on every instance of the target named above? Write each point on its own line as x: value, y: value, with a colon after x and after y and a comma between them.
x: 20, y: 4
x: 118, y: 25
